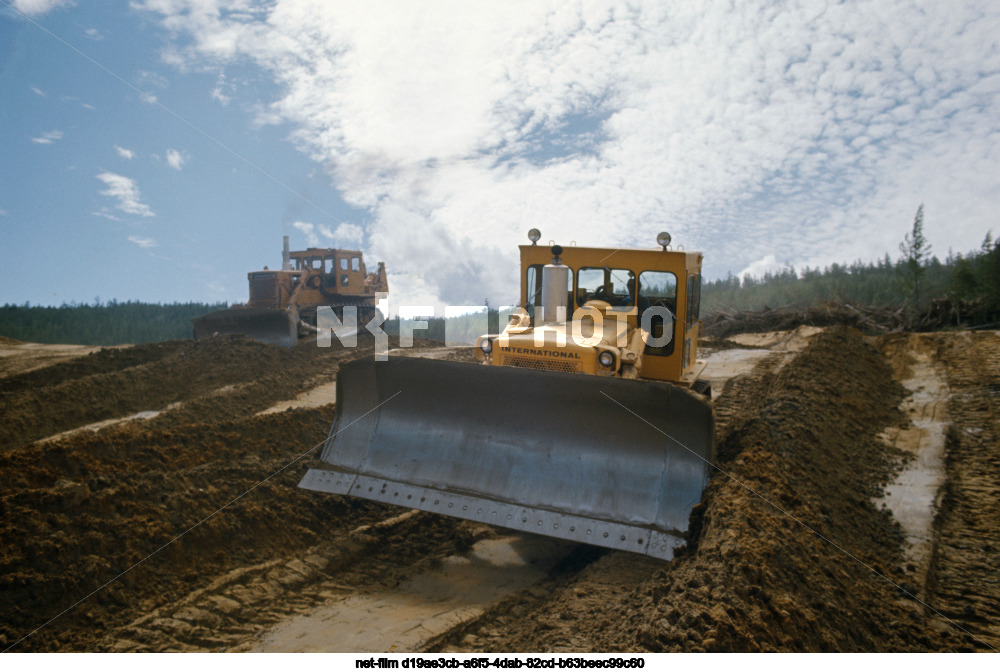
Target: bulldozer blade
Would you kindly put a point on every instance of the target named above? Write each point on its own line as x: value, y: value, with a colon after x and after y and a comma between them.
x: 268, y: 325
x: 604, y: 461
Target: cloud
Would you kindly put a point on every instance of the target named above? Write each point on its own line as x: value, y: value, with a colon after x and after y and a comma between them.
x: 3, y: 213
x: 219, y: 92
x: 39, y: 7
x: 125, y: 153
x: 93, y: 34
x: 310, y: 232
x: 805, y: 132
x: 175, y: 159
x: 144, y: 243
x: 103, y: 212
x: 39, y: 92
x: 48, y: 137
x: 149, y: 78
x: 345, y: 234
x: 125, y: 191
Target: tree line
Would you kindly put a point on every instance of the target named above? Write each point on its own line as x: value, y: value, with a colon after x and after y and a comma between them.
x: 969, y: 284
x: 108, y: 323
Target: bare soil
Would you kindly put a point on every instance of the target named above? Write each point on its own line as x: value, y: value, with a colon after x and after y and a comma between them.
x: 179, y: 526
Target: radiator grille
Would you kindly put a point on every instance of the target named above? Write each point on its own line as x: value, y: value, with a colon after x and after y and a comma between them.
x: 264, y: 290
x: 542, y: 364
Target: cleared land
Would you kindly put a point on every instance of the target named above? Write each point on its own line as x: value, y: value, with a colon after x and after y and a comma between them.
x: 149, y: 503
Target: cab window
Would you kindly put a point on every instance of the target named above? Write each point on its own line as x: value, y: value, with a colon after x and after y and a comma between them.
x: 533, y: 284
x: 614, y: 285
x: 659, y: 288
x: 355, y: 264
x: 693, y: 299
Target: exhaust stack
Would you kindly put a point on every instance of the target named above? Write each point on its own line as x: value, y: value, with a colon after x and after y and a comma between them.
x: 286, y: 257
x: 555, y: 278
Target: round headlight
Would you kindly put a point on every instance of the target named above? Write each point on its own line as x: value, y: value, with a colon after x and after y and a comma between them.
x: 663, y: 238
x: 534, y: 235
x: 486, y: 345
x: 606, y: 359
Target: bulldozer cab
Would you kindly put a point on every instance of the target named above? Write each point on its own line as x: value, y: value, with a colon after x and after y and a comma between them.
x: 630, y: 282
x: 335, y: 271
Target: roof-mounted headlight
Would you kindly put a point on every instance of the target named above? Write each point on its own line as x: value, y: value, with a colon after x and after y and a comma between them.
x: 534, y: 235
x: 663, y: 238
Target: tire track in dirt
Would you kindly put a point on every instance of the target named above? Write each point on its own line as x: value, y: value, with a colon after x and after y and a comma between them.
x: 425, y: 601
x: 235, y: 609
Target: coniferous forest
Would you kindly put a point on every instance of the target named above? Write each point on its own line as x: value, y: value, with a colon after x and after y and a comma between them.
x: 107, y: 323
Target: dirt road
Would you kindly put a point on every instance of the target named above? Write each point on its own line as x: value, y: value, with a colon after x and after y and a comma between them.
x: 149, y: 504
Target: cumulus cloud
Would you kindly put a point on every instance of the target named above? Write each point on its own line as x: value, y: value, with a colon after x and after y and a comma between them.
x: 805, y: 131
x: 219, y: 92
x: 124, y: 190
x: 175, y: 159
x: 144, y: 243
x: 39, y: 7
x: 125, y: 153
x: 48, y: 137
x: 345, y: 234
x: 310, y: 232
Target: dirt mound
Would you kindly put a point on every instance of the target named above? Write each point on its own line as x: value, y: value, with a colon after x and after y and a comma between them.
x: 105, y: 360
x: 112, y: 383
x: 791, y: 536
x: 76, y: 515
x: 214, y: 379
x: 790, y: 544
x: 81, y: 509
x: 962, y: 584
x: 788, y: 552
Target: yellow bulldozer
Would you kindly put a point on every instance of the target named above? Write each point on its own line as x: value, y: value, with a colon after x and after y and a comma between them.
x: 585, y: 419
x: 284, y: 303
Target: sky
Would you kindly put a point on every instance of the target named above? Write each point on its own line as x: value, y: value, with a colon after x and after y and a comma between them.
x: 158, y: 150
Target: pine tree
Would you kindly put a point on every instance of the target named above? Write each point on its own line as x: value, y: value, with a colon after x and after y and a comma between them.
x: 915, y: 250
